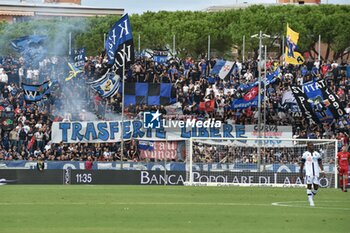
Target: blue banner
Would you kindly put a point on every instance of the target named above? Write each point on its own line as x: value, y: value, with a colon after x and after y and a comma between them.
x: 317, y: 102
x: 270, y: 79
x: 160, y: 59
x: 222, y: 68
x: 149, y: 94
x: 108, y: 85
x: 31, y: 48
x: 35, y: 93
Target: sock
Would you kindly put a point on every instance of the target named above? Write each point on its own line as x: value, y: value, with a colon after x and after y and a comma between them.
x: 341, y: 182
x: 314, y: 192
x: 346, y: 181
x: 309, y: 194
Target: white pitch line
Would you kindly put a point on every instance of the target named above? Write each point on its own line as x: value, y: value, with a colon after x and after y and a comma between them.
x: 132, y: 203
x: 291, y: 204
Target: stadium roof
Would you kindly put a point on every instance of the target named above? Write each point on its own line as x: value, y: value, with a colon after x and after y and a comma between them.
x: 48, y: 9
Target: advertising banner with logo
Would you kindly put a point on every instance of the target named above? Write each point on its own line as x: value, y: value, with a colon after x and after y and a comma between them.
x: 154, y: 178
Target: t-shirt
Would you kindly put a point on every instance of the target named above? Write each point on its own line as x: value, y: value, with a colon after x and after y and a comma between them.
x: 311, y: 163
x: 343, y: 159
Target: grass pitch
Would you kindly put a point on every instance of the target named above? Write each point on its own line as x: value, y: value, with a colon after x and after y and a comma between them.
x: 153, y: 209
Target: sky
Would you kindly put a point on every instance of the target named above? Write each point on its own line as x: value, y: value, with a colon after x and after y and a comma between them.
x: 140, y: 6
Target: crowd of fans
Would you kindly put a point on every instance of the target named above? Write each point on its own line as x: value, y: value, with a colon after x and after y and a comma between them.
x: 27, y: 135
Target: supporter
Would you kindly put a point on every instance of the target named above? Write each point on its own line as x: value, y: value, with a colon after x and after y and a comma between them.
x: 193, y: 85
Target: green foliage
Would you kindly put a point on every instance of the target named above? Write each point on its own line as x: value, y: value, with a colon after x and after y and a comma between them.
x: 226, y: 29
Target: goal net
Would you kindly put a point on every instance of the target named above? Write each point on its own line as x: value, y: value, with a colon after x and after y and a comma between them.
x: 255, y: 162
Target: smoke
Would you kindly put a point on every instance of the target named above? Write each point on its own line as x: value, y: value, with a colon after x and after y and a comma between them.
x: 56, y: 30
x: 72, y: 99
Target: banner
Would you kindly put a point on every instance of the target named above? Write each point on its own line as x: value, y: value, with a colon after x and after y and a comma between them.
x: 35, y: 93
x: 108, y: 85
x: 110, y: 131
x: 222, y: 68
x: 158, y: 150
x: 152, y: 166
x: 317, y: 102
x: 160, y: 56
x: 149, y: 94
x: 292, y: 57
x: 119, y: 36
x: 78, y: 57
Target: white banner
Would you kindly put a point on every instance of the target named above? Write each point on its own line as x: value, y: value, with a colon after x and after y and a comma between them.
x: 110, y: 131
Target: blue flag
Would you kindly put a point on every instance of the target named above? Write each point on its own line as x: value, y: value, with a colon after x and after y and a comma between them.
x: 317, y: 102
x: 250, y: 99
x: 149, y: 94
x: 108, y: 85
x: 270, y: 78
x: 146, y: 145
x: 242, y: 103
x: 31, y: 48
x: 34, y: 93
x: 119, y: 36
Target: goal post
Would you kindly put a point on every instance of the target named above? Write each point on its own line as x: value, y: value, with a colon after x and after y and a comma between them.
x: 256, y: 161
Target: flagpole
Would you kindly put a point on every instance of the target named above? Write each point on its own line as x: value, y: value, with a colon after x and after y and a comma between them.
x: 122, y: 131
x: 265, y: 91
x: 243, y: 48
x: 283, y: 48
x: 70, y: 43
x: 139, y: 45
x: 104, y: 39
x: 174, y: 45
x: 259, y: 101
x: 319, y: 48
x: 208, y: 47
x: 265, y: 108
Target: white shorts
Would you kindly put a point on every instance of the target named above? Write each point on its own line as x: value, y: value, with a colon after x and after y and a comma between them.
x: 312, y: 180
